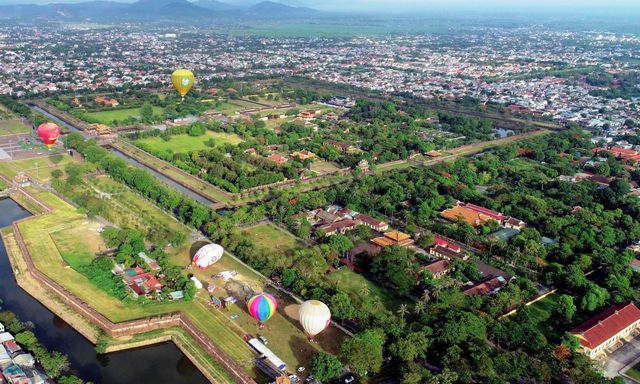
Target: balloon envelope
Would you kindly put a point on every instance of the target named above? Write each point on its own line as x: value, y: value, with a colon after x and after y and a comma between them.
x: 208, y: 255
x: 48, y: 133
x: 314, y: 316
x: 262, y: 306
x: 182, y: 80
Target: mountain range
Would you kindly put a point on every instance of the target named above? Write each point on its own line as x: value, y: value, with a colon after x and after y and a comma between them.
x: 150, y: 10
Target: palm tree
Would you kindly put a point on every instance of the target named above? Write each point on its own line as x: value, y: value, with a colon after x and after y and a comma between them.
x: 403, y: 310
x: 419, y: 308
x: 426, y: 297
x: 364, y: 291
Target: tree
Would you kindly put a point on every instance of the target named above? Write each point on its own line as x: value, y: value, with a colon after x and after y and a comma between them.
x: 341, y: 243
x: 403, y: 310
x: 146, y: 112
x: 460, y: 326
x: 411, y: 346
x: 363, y: 352
x: 27, y: 339
x: 342, y: 306
x: 325, y: 367
x: 594, y: 298
x: 54, y: 363
x: 565, y: 308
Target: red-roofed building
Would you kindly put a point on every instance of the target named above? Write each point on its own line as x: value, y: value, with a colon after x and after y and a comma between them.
x: 492, y: 284
x: 278, y: 159
x: 437, y: 268
x: 447, y: 253
x: 485, y: 211
x: 607, y: 329
x: 439, y: 240
x: 372, y: 223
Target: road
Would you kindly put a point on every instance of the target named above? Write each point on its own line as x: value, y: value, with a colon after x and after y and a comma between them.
x: 622, y: 357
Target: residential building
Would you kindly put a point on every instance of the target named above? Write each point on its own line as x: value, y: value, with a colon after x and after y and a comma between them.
x: 447, y: 253
x: 376, y: 225
x: 303, y: 155
x: 278, y: 159
x: 339, y: 227
x: 152, y: 263
x: 607, y: 330
x: 490, y: 285
x: 514, y: 223
x: 437, y: 268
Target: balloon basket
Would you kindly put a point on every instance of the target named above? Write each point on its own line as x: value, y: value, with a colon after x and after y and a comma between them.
x: 260, y: 326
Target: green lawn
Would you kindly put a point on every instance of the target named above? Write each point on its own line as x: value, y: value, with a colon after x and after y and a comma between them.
x: 78, y: 245
x: 634, y: 372
x: 107, y: 117
x: 39, y: 168
x: 353, y: 283
x: 272, y: 238
x: 12, y: 127
x: 541, y: 312
x: 186, y: 143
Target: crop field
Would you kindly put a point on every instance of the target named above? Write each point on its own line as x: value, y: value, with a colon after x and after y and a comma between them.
x: 120, y: 115
x: 186, y: 143
x: 272, y: 238
x: 12, y: 127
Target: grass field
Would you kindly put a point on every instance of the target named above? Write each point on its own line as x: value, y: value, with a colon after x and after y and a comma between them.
x: 78, y: 245
x: 120, y: 115
x: 323, y: 167
x: 634, y: 372
x: 186, y: 143
x: 39, y: 169
x: 12, y: 127
x: 541, y: 312
x: 352, y: 283
x: 272, y: 238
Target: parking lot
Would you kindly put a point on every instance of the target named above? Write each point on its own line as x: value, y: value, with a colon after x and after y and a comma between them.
x: 620, y: 358
x: 23, y: 146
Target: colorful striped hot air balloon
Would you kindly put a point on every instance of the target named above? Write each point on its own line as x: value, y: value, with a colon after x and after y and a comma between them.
x: 182, y: 80
x: 262, y: 306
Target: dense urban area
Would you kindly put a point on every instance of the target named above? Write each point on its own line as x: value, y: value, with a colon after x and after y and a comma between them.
x: 452, y: 207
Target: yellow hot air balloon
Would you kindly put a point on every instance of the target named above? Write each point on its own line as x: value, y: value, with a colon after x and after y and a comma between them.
x: 182, y: 80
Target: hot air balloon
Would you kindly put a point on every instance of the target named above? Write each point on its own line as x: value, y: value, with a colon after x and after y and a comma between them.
x: 208, y: 255
x: 182, y: 80
x: 262, y: 306
x: 48, y: 133
x: 314, y: 317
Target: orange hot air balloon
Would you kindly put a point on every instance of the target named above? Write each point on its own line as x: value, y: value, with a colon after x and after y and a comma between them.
x: 48, y: 133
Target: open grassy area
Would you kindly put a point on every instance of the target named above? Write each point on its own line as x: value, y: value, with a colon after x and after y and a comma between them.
x: 78, y: 245
x: 541, y: 312
x: 39, y: 169
x: 272, y: 238
x: 120, y: 115
x: 285, y: 335
x: 353, y: 283
x: 323, y: 167
x: 12, y: 127
x: 125, y: 208
x: 186, y: 143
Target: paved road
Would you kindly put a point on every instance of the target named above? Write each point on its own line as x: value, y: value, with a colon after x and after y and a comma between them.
x: 622, y: 357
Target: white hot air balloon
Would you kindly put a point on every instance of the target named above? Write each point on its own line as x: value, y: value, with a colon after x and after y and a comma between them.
x: 208, y: 255
x: 314, y: 316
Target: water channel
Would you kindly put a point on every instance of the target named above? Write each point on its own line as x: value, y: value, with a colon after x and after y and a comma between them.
x: 162, y: 363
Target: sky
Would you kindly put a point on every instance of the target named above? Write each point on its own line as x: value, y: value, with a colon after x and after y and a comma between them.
x: 440, y: 5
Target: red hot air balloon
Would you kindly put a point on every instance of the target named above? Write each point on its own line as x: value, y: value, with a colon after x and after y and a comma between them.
x: 48, y: 133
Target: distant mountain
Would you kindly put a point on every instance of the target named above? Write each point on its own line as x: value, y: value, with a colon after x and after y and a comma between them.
x: 273, y: 9
x: 152, y: 10
x: 215, y: 5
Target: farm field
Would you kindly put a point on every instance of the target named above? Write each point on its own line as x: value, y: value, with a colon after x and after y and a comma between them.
x: 12, y: 127
x: 272, y: 238
x: 107, y: 117
x: 186, y: 143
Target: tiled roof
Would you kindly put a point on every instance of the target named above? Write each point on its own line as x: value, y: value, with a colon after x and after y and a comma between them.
x: 606, y: 325
x: 437, y: 267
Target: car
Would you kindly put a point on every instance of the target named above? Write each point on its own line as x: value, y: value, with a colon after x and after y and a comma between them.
x: 294, y: 378
x: 263, y: 339
x: 233, y: 317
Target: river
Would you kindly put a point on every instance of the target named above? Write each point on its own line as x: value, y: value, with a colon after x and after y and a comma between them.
x: 162, y: 363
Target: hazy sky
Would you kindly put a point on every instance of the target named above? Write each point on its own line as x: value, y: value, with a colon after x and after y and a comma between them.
x: 423, y: 5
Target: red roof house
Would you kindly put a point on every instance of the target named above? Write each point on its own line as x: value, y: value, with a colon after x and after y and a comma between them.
x: 606, y: 329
